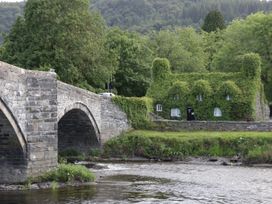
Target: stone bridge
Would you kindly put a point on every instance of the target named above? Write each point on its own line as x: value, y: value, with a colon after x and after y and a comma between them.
x: 40, y: 116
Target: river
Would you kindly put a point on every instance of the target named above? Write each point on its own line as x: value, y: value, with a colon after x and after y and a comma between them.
x: 160, y: 183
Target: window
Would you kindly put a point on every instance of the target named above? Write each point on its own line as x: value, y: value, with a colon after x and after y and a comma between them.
x: 159, y: 108
x: 199, y: 98
x: 175, y: 112
x: 217, y: 112
x: 176, y: 97
x: 228, y: 98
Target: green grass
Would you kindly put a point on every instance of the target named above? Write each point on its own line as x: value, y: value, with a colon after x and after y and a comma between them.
x: 253, y: 147
x: 67, y: 173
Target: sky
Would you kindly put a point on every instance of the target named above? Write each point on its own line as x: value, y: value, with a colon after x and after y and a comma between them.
x: 10, y: 0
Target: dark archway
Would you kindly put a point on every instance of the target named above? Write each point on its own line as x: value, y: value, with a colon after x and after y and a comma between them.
x: 270, y: 107
x: 12, y: 149
x: 76, y: 131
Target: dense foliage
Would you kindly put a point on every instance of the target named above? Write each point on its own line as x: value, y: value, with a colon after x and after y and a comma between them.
x: 234, y: 93
x: 253, y: 34
x: 146, y: 15
x: 252, y: 147
x: 213, y: 21
x: 8, y: 14
x: 137, y: 110
x: 183, y: 47
x: 132, y: 60
x: 62, y: 35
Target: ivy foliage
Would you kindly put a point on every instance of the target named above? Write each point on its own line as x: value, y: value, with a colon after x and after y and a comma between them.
x: 233, y: 93
x: 202, y: 87
x: 160, y: 68
x: 252, y: 65
x: 137, y: 110
x: 229, y: 88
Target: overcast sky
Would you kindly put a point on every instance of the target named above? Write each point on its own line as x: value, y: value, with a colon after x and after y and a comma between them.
x: 10, y: 0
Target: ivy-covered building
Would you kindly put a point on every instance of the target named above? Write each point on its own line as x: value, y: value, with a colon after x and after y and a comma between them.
x: 211, y: 95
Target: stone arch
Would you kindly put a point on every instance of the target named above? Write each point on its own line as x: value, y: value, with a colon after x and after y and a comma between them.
x: 5, y: 112
x: 77, y: 129
x: 13, y: 148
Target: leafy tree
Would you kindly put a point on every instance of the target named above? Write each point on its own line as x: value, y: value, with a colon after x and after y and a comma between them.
x: 213, y: 42
x: 213, y: 21
x: 133, y: 71
x: 182, y: 47
x: 254, y: 34
x: 63, y: 35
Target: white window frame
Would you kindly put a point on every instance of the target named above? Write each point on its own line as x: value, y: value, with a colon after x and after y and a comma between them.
x: 159, y: 107
x: 175, y: 112
x: 228, y: 97
x: 217, y: 112
x: 199, y: 98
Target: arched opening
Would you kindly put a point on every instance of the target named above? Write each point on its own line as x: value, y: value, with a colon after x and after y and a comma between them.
x: 77, y: 132
x: 12, y: 153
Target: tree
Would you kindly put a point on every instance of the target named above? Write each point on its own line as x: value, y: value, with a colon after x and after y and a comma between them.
x: 213, y: 21
x: 213, y: 41
x: 182, y: 47
x: 134, y: 59
x: 63, y: 35
x: 253, y: 34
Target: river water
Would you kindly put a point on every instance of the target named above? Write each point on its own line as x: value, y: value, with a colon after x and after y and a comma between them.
x: 160, y: 183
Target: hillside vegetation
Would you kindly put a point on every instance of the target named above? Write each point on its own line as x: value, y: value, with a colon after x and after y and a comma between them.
x: 146, y: 15
x: 143, y: 15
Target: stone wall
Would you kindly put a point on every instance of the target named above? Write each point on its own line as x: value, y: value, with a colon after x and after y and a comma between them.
x: 169, y: 125
x: 262, y: 111
x: 114, y: 120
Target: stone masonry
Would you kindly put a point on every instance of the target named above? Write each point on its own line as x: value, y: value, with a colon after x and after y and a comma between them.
x: 32, y: 104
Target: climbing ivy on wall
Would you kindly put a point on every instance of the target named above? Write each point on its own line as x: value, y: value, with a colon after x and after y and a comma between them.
x: 233, y: 93
x: 137, y: 110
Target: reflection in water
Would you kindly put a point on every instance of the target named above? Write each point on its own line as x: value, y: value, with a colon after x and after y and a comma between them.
x: 65, y: 195
x: 160, y: 183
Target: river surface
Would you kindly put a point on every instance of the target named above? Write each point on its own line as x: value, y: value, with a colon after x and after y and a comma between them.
x: 160, y: 183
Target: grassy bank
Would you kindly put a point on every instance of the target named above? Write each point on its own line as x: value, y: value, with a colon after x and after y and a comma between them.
x: 252, y: 147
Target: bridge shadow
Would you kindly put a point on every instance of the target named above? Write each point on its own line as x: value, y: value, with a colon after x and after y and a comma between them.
x: 76, y: 132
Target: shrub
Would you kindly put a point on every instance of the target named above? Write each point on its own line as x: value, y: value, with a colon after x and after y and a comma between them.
x: 68, y: 173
